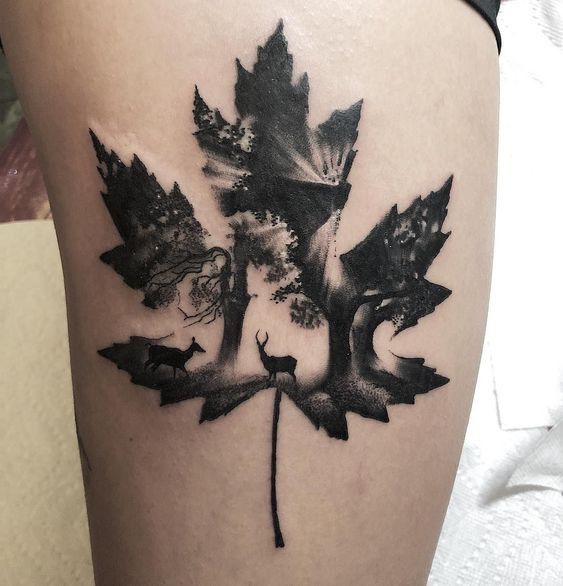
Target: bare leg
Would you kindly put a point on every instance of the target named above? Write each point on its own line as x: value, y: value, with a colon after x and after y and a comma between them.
x: 183, y: 503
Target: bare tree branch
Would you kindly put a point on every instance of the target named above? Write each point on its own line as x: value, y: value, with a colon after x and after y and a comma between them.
x: 192, y: 265
x: 209, y: 310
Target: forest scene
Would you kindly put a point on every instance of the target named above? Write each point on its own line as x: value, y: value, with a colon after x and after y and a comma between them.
x: 281, y: 186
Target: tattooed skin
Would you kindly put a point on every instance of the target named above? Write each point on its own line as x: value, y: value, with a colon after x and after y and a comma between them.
x: 281, y: 187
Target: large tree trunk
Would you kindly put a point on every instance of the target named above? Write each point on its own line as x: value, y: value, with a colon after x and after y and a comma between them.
x: 235, y: 304
x: 340, y: 318
x: 367, y: 319
x: 233, y: 319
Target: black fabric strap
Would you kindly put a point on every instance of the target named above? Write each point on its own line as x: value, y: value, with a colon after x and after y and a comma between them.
x: 488, y: 9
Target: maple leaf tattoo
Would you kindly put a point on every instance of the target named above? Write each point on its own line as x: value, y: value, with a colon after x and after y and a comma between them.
x: 281, y: 187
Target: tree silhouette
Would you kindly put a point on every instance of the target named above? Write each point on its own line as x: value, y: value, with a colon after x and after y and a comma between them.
x: 281, y: 186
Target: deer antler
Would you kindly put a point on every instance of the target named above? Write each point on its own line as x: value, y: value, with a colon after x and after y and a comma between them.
x: 256, y: 336
x: 267, y: 338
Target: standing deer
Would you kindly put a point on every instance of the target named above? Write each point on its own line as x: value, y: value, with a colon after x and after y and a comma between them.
x: 173, y: 357
x: 275, y: 364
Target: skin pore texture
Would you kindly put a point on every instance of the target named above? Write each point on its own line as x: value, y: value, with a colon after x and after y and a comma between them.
x: 276, y: 221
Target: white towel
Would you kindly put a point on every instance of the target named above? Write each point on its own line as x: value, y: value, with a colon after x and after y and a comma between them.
x: 526, y: 316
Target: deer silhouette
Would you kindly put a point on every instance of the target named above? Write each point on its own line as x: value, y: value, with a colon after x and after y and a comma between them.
x: 275, y: 364
x: 174, y: 357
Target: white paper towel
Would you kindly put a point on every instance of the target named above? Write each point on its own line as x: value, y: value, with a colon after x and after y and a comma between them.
x: 497, y: 533
x: 526, y: 316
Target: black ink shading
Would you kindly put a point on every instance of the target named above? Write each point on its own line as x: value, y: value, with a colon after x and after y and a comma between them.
x: 163, y: 355
x: 281, y: 186
x: 275, y: 364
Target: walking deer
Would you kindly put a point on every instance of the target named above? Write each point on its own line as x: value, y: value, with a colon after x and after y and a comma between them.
x: 174, y: 357
x: 275, y: 364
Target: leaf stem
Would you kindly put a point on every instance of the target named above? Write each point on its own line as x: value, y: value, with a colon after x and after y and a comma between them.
x: 278, y: 537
